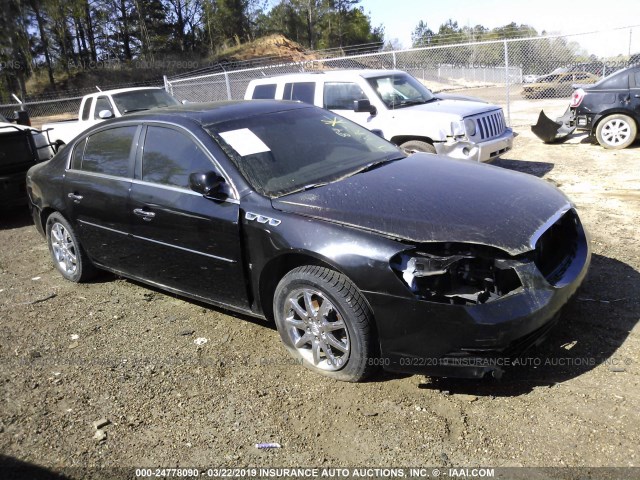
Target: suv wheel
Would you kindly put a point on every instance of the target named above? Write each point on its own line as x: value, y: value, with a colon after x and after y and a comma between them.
x: 324, y: 321
x: 616, y: 131
x: 414, y: 146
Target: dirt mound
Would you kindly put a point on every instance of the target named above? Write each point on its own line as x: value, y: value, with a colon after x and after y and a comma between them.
x: 275, y: 45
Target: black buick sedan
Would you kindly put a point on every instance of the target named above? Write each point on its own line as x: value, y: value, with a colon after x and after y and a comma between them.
x: 363, y: 257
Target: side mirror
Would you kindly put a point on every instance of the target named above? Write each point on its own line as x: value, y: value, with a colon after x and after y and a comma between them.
x: 364, y: 106
x: 104, y: 114
x: 184, y: 102
x: 205, y: 183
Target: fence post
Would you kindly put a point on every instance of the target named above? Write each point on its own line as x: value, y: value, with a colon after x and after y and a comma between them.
x: 166, y: 83
x: 226, y: 80
x: 506, y: 64
x: 394, y: 59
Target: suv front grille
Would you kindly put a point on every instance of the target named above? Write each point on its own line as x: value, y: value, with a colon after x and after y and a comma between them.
x: 489, y: 125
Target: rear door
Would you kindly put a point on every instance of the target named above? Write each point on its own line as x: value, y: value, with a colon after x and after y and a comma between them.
x: 96, y: 189
x: 184, y: 241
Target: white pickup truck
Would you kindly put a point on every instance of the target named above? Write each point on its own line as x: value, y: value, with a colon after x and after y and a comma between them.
x: 99, y: 106
x: 400, y: 108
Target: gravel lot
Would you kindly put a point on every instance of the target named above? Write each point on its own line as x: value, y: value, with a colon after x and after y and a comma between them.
x: 116, y: 350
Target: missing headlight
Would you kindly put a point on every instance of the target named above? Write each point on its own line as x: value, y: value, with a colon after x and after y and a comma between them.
x: 457, y: 275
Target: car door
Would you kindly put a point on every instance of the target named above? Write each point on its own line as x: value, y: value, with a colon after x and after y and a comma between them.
x: 185, y: 241
x: 635, y: 93
x: 96, y: 189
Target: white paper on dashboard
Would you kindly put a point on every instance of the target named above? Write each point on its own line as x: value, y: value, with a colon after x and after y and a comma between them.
x: 244, y: 141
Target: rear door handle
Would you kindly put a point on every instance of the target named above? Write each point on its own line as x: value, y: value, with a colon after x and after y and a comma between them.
x: 75, y: 197
x: 147, y: 216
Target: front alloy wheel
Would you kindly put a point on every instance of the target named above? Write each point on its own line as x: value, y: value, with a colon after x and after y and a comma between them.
x: 616, y: 132
x: 324, y: 321
x: 316, y: 329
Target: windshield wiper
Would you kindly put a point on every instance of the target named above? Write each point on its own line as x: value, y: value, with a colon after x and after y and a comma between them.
x: 307, y: 187
x: 135, y: 110
x: 370, y: 166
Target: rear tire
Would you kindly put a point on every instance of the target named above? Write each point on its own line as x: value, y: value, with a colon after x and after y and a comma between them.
x: 324, y: 321
x: 616, y: 131
x: 68, y: 255
x: 413, y: 146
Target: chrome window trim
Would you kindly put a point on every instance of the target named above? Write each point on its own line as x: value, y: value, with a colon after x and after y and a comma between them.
x: 144, y: 124
x: 179, y: 190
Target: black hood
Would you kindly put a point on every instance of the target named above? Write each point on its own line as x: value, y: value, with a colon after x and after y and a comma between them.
x: 426, y: 198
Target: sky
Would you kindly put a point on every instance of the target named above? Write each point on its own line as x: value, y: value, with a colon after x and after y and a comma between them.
x: 400, y: 18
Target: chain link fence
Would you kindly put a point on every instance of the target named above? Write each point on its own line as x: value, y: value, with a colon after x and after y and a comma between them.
x: 499, y: 71
x: 504, y: 72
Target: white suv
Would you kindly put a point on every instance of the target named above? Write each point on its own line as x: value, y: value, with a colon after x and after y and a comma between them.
x: 400, y: 108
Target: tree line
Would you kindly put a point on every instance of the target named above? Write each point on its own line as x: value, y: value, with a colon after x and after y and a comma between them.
x: 534, y: 55
x: 60, y: 36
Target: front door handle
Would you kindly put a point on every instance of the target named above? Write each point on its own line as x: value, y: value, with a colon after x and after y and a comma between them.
x: 75, y: 197
x: 147, y: 216
x: 637, y: 95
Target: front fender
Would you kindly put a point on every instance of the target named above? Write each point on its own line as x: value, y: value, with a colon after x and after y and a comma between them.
x: 272, y: 251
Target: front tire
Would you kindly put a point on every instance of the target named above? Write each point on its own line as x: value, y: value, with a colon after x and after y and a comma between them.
x: 67, y: 253
x: 324, y: 321
x: 616, y: 131
x: 413, y: 146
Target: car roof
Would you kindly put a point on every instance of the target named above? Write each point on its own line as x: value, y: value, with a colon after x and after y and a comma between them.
x: 212, y: 112
x: 340, y: 74
x: 122, y: 90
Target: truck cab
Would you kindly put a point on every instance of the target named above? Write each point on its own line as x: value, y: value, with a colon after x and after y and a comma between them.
x: 398, y: 107
x: 100, y: 106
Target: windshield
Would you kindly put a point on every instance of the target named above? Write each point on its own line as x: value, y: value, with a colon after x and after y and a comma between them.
x: 143, y: 100
x: 283, y: 152
x: 400, y: 90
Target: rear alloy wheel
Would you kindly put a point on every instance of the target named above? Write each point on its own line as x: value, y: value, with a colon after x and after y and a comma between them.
x: 68, y: 256
x: 414, y: 146
x: 323, y: 320
x: 616, y: 131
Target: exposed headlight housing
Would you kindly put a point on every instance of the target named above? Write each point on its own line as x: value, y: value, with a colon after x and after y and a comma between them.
x: 457, y: 274
x: 457, y: 128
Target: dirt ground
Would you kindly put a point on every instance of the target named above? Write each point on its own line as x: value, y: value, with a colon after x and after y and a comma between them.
x: 114, y: 349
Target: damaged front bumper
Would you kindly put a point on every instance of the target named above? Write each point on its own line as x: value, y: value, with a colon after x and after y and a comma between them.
x: 550, y: 131
x: 481, y: 151
x: 471, y: 336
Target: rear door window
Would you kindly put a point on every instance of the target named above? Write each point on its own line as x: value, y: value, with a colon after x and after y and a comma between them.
x: 86, y: 110
x: 301, y: 91
x: 264, y: 92
x: 109, y: 151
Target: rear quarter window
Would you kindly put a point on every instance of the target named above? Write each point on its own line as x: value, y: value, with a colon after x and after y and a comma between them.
x: 264, y: 92
x: 616, y: 82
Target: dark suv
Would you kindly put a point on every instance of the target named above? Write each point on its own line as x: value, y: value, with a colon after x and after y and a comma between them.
x: 610, y: 109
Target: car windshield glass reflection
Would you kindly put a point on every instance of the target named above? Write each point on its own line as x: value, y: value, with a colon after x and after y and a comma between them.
x: 289, y: 151
x: 399, y: 90
x: 143, y: 100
